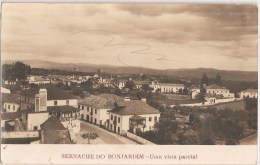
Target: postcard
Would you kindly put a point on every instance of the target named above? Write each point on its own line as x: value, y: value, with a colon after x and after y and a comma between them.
x: 129, y: 83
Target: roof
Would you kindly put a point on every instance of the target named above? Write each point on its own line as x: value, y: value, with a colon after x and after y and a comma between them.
x: 140, y: 82
x: 52, y: 123
x: 11, y: 98
x: 214, y: 86
x: 64, y: 108
x: 53, y: 93
x: 101, y: 101
x: 56, y: 137
x: 169, y: 84
x: 11, y: 115
x: 250, y: 90
x: 38, y: 78
x: 133, y: 107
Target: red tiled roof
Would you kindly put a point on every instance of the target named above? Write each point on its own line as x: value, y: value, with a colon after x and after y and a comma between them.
x: 133, y: 107
x: 11, y: 115
x: 53, y: 93
x: 56, y: 137
x: 64, y: 108
x: 52, y: 123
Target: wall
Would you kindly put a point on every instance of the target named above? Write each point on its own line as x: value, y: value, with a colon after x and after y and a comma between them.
x: 124, y: 122
x: 22, y: 134
x: 72, y: 102
x: 249, y: 94
x: 36, y: 119
x: 138, y: 139
x: 13, y: 107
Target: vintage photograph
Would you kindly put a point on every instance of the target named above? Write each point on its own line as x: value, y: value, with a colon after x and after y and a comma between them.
x: 135, y: 74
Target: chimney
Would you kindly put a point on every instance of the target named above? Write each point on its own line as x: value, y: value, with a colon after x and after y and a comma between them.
x: 143, y: 100
x: 127, y: 99
x: 43, y: 99
x: 37, y: 103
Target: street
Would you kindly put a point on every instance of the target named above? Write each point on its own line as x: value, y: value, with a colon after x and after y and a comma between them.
x: 105, y: 137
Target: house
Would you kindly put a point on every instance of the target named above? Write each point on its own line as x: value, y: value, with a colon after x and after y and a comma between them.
x: 171, y: 88
x: 11, y: 102
x: 121, y: 83
x: 139, y: 84
x: 194, y: 92
x: 95, y: 76
x: 38, y: 80
x: 155, y: 85
x: 53, y: 132
x: 130, y: 115
x: 55, y: 97
x: 219, y: 91
x: 105, y: 81
x: 94, y: 108
x: 47, y: 102
x: 5, y: 90
x: 250, y: 93
x: 7, y: 120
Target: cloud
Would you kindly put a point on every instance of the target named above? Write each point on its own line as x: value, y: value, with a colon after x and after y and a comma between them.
x: 207, y: 35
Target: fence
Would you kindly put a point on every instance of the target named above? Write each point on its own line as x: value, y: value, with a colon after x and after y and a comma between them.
x: 138, y: 139
x: 20, y: 134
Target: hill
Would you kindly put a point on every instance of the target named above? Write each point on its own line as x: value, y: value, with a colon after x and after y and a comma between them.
x: 188, y: 73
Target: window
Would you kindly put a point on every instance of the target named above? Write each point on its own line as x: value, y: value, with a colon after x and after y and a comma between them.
x: 67, y: 102
x: 150, y: 118
x: 150, y: 127
x: 118, y: 119
x: 111, y: 117
x: 115, y: 118
x: 82, y: 107
x: 95, y: 111
x: 35, y: 128
x: 88, y: 109
x: 78, y: 106
x: 8, y: 106
x: 55, y: 102
x: 95, y: 121
x: 155, y: 118
x: 13, y: 107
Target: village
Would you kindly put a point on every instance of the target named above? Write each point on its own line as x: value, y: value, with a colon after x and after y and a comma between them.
x: 103, y: 108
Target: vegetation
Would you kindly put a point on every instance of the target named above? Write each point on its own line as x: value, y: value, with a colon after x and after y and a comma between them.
x: 15, y: 71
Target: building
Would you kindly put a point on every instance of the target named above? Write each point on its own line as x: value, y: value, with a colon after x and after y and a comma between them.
x: 48, y: 102
x: 94, y: 109
x: 250, y: 93
x: 11, y: 102
x: 139, y: 84
x: 53, y: 132
x: 5, y: 90
x: 55, y: 97
x: 171, y: 88
x: 8, y: 120
x: 121, y: 83
x: 130, y: 115
x: 155, y: 85
x: 219, y: 91
x: 38, y: 80
x: 194, y: 92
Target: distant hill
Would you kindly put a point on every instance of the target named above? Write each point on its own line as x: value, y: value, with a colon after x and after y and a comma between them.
x: 188, y: 73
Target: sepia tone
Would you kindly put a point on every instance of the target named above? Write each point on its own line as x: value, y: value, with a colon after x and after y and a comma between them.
x: 152, y: 74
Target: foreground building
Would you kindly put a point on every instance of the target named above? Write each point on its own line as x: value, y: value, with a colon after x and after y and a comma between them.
x: 130, y: 115
x: 94, y: 109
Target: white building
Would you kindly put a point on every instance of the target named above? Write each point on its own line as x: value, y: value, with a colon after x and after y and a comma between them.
x: 171, y: 88
x: 250, y: 93
x: 5, y: 90
x: 94, y: 109
x: 218, y: 90
x: 121, y: 83
x: 47, y: 102
x: 11, y: 102
x: 38, y: 80
x: 155, y: 85
x: 130, y: 115
x: 194, y: 92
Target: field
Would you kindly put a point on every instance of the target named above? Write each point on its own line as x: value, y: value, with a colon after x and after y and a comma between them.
x: 236, y: 105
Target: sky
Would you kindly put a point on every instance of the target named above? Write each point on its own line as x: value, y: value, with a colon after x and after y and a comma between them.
x: 159, y: 36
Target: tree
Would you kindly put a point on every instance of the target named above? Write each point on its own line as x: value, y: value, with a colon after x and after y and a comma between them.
x: 90, y: 136
x: 17, y: 70
x: 204, y: 80
x: 146, y: 88
x: 130, y: 85
x: 218, y: 80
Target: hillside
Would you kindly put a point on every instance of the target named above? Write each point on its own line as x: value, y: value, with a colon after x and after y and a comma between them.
x: 189, y: 73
